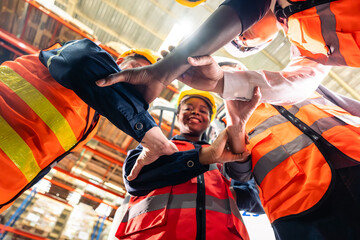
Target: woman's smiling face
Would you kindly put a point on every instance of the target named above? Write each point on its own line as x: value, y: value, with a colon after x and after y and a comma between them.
x: 194, y: 116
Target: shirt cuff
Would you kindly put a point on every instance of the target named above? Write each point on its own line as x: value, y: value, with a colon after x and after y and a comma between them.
x: 236, y: 87
x: 240, y: 171
x: 142, y: 123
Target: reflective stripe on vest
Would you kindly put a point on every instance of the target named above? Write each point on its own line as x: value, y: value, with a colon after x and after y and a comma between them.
x: 40, y: 105
x: 328, y: 30
x: 276, y: 156
x: 11, y: 143
x: 177, y: 201
x: 273, y: 158
x: 18, y: 151
x: 327, y: 33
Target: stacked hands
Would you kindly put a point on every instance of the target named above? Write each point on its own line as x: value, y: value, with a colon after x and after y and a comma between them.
x: 203, y: 74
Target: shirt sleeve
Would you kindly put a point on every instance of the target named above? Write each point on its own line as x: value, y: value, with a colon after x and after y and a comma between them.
x: 170, y: 170
x: 247, y: 196
x: 249, y: 11
x: 293, y: 84
x: 240, y: 171
x: 78, y: 64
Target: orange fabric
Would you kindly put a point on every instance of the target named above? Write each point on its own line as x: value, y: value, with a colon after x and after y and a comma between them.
x: 180, y: 223
x: 9, y: 186
x: 299, y: 182
x: 31, y: 128
x: 304, y: 30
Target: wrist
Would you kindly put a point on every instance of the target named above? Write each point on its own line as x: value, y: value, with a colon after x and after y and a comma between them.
x: 219, y: 88
x: 237, y: 127
x: 172, y: 66
x: 155, y: 139
x: 205, y: 158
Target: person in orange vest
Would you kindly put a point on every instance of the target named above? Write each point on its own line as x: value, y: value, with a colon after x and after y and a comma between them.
x: 305, y: 159
x: 42, y: 119
x: 167, y: 201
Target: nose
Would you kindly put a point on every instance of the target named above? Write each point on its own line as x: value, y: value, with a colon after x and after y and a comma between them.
x: 195, y: 112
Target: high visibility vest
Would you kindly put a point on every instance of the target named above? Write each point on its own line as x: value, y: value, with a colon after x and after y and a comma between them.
x: 40, y: 122
x: 289, y: 168
x: 171, y: 212
x: 329, y: 33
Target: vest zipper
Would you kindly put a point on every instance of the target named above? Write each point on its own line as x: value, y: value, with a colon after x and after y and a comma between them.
x: 200, y: 209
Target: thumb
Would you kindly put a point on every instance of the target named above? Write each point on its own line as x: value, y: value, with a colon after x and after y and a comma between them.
x: 137, y: 167
x: 122, y: 76
x: 200, y: 60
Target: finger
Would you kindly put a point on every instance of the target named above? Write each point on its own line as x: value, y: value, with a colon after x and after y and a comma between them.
x: 256, y: 96
x: 201, y: 60
x: 247, y: 141
x: 164, y: 53
x: 135, y: 170
x: 172, y: 149
x: 112, y: 79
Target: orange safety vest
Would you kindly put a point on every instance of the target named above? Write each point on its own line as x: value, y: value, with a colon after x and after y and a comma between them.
x: 40, y: 122
x: 170, y: 212
x: 329, y: 33
x: 290, y: 170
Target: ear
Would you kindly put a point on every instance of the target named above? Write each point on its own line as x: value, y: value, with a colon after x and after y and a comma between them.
x: 119, y: 60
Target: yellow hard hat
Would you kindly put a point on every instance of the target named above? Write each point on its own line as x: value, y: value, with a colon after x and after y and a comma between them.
x: 204, y: 95
x: 190, y: 3
x: 150, y: 55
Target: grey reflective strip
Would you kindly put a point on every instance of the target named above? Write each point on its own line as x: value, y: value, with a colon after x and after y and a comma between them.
x: 187, y: 200
x: 217, y: 204
x: 152, y: 203
x: 126, y: 199
x: 328, y: 31
x: 273, y: 158
x: 279, y: 119
x: 213, y: 167
x: 179, y: 201
x: 235, y: 210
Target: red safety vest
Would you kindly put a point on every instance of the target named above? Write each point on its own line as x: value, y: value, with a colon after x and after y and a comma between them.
x: 290, y: 170
x: 170, y: 212
x: 329, y: 33
x: 40, y: 122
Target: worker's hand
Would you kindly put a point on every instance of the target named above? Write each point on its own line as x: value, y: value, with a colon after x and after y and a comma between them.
x: 204, y: 74
x: 155, y: 144
x: 147, y: 80
x: 218, y: 151
x: 237, y: 114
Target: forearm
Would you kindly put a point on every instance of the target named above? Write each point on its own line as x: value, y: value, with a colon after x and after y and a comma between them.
x: 221, y: 27
x: 78, y: 64
x: 291, y: 85
x: 166, y: 171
